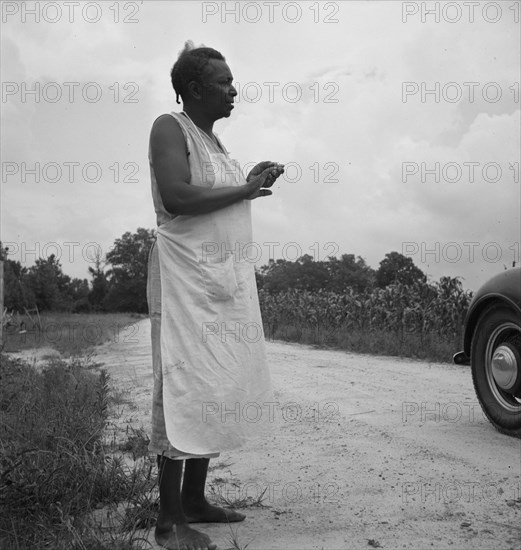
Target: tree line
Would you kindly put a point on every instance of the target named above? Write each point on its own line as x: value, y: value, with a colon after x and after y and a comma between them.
x: 117, y: 283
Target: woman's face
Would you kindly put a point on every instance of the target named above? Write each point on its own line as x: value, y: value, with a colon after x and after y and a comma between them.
x: 217, y: 89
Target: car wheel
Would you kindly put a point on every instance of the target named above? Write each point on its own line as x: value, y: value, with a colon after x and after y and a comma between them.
x: 496, y: 367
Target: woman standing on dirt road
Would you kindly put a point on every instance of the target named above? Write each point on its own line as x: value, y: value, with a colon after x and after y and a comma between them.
x: 207, y: 344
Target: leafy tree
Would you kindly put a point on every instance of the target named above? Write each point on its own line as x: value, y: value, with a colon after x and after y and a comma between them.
x: 17, y: 295
x: 310, y: 275
x: 99, y: 284
x: 349, y: 272
x: 303, y: 273
x: 127, y: 278
x: 396, y: 267
x: 259, y: 278
x: 44, y: 285
x: 306, y: 274
x: 78, y: 290
x: 49, y: 285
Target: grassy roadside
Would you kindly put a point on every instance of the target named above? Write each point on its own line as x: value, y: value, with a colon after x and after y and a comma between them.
x: 65, y: 482
x: 69, y: 333
x: 428, y: 347
x: 73, y: 334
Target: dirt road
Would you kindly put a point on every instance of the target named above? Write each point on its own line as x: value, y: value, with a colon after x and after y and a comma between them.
x: 365, y: 452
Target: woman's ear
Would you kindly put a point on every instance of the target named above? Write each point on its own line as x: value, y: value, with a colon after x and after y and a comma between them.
x: 195, y: 89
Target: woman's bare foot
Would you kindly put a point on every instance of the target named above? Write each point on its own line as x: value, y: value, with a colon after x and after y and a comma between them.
x: 182, y: 537
x: 206, y: 513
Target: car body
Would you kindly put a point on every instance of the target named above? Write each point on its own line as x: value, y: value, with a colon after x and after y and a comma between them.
x: 492, y: 346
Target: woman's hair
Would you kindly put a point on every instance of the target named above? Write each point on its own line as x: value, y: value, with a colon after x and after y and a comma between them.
x: 190, y: 66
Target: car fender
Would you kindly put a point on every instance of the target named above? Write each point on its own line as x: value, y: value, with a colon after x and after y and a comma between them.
x: 502, y: 289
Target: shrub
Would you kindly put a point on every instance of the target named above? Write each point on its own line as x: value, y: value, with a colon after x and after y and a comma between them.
x: 55, y: 469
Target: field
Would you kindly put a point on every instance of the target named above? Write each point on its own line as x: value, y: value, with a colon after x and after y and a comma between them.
x: 423, y: 321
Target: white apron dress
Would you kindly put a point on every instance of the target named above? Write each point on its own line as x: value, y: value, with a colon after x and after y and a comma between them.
x: 212, y: 384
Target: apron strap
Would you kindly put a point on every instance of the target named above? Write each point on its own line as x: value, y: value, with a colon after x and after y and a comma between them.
x: 201, y: 137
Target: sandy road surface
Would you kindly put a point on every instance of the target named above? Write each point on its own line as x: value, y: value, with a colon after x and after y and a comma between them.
x: 365, y: 452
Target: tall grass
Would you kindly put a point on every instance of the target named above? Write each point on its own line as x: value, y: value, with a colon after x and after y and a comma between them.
x: 64, y: 484
x: 376, y: 342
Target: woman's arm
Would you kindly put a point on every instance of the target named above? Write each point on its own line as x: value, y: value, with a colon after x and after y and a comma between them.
x: 172, y: 171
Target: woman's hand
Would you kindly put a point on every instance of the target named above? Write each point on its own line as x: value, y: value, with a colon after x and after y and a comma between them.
x: 256, y: 183
x: 276, y: 170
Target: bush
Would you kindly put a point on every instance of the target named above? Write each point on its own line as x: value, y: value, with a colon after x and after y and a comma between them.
x: 54, y: 466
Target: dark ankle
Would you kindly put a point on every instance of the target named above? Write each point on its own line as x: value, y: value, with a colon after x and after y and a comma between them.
x: 195, y: 503
x: 165, y: 525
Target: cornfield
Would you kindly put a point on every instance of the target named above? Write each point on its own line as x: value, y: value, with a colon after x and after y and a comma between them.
x: 421, y: 320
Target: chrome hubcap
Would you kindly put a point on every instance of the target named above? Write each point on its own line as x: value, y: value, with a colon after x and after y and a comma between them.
x: 504, y: 367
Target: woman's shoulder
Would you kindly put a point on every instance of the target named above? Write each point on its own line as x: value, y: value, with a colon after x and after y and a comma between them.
x: 167, y: 119
x: 168, y: 131
x: 168, y: 123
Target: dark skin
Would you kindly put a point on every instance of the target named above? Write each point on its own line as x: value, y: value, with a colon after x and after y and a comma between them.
x: 181, y: 497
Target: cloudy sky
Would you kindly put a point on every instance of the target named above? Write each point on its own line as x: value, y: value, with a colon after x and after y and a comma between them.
x: 399, y: 125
